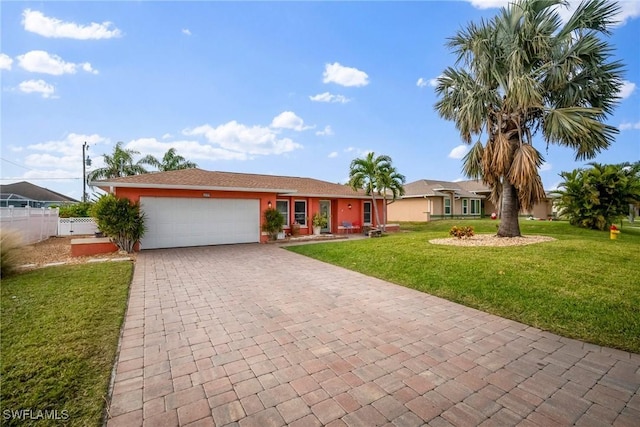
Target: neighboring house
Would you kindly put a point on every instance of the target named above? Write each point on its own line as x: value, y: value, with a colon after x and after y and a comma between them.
x: 194, y: 207
x: 22, y: 194
x: 427, y: 200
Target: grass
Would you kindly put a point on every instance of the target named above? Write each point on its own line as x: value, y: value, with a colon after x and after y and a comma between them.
x: 583, y: 285
x: 60, y: 329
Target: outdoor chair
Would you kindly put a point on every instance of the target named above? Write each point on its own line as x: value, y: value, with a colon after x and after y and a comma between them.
x: 348, y: 226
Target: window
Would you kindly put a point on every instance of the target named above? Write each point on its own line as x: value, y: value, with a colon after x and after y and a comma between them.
x: 447, y: 206
x: 300, y: 212
x: 283, y: 207
x: 475, y: 207
x: 366, y: 210
x: 465, y: 206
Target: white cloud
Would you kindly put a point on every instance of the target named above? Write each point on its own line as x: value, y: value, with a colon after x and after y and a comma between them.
x: 359, y: 152
x: 71, y: 145
x: 333, y: 155
x: 39, y: 61
x: 344, y: 76
x: 249, y: 140
x: 421, y: 82
x: 36, y: 22
x: 628, y: 11
x: 458, y: 152
x: 329, y: 97
x: 190, y: 150
x: 327, y: 131
x: 488, y: 4
x: 627, y: 89
x: 289, y: 120
x: 629, y: 126
x: 186, y: 31
x: 166, y: 136
x: 37, y: 86
x: 5, y: 62
x: 546, y: 167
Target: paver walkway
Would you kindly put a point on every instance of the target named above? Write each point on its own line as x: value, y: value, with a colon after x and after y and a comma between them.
x: 258, y: 336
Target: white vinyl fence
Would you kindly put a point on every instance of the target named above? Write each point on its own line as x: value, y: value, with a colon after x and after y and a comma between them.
x: 32, y: 224
x: 76, y: 226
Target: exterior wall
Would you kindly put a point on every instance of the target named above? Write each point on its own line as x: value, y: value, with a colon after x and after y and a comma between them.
x: 543, y: 210
x: 340, y: 210
x: 415, y: 209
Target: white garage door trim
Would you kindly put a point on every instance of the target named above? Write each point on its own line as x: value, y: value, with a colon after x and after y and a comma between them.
x: 174, y: 222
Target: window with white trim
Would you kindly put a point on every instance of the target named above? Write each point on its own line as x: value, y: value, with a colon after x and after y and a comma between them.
x: 475, y: 206
x: 366, y: 213
x: 283, y: 207
x: 447, y: 206
x: 465, y: 206
x: 300, y: 211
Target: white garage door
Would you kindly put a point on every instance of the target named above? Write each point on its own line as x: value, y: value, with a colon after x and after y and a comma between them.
x: 174, y: 222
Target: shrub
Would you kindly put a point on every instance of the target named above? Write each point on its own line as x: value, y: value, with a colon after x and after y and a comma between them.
x: 461, y: 232
x: 9, y: 241
x: 273, y: 223
x: 121, y: 220
x: 76, y: 210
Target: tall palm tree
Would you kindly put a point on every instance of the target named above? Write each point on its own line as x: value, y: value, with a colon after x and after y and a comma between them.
x: 364, y: 173
x: 525, y: 72
x: 390, y: 181
x: 170, y: 161
x: 118, y: 164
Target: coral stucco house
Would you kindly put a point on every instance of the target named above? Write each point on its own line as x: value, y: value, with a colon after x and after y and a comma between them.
x: 195, y: 207
x: 427, y: 200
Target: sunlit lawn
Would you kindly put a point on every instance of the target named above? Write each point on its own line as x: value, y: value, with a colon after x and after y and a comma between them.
x: 583, y: 285
x: 60, y: 329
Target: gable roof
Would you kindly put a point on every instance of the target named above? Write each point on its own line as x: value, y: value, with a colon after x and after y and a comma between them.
x: 432, y: 188
x: 199, y: 179
x: 27, y: 191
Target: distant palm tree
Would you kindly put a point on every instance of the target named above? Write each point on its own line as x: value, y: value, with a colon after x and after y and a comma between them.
x: 365, y: 174
x: 170, y: 161
x: 524, y: 71
x: 118, y: 164
x: 390, y: 181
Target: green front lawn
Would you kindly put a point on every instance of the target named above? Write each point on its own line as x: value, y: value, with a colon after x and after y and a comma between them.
x: 60, y: 329
x: 583, y: 285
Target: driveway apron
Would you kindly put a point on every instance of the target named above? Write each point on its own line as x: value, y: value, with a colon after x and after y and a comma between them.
x: 254, y: 335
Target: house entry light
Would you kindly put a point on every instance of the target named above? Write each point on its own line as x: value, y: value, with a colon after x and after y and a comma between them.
x: 349, y: 205
x: 269, y: 204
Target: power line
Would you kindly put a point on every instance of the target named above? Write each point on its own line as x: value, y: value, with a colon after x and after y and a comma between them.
x: 34, y: 179
x: 16, y: 164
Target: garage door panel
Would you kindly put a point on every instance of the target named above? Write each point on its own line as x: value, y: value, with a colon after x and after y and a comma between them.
x: 180, y: 222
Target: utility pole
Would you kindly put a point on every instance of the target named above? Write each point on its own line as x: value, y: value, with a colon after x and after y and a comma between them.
x: 86, y: 161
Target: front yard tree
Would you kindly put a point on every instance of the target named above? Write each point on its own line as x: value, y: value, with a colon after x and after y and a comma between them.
x: 118, y: 164
x: 598, y: 196
x: 375, y: 174
x: 171, y: 161
x: 391, y: 182
x: 524, y: 72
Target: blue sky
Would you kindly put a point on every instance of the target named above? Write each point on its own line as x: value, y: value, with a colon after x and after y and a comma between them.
x: 286, y: 88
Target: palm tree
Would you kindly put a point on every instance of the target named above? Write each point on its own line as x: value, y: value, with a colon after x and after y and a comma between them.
x: 118, y: 164
x: 525, y: 72
x: 365, y: 174
x: 390, y: 181
x: 170, y: 161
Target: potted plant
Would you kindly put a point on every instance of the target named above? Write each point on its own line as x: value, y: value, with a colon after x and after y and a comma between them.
x: 319, y: 221
x: 273, y: 223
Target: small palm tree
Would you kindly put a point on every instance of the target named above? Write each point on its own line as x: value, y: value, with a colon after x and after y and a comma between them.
x: 391, y: 181
x: 170, y: 161
x: 365, y: 174
x: 118, y: 164
x: 525, y: 72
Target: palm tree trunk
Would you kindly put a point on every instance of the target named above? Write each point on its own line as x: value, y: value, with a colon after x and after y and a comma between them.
x: 509, y: 225
x: 384, y: 213
x: 375, y: 209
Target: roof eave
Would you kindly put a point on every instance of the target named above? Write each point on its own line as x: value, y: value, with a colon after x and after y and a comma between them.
x: 107, y: 184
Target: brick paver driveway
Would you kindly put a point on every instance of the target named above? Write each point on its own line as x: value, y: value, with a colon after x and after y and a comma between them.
x: 259, y: 336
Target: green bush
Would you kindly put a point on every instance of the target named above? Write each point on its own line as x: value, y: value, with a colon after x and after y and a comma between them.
x: 461, y: 232
x: 77, y: 210
x: 121, y: 220
x: 9, y: 241
x: 273, y: 223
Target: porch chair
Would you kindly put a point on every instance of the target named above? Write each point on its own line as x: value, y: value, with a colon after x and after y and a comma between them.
x: 348, y: 226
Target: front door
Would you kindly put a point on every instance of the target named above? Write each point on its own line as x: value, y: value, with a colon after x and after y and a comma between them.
x: 325, y: 209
